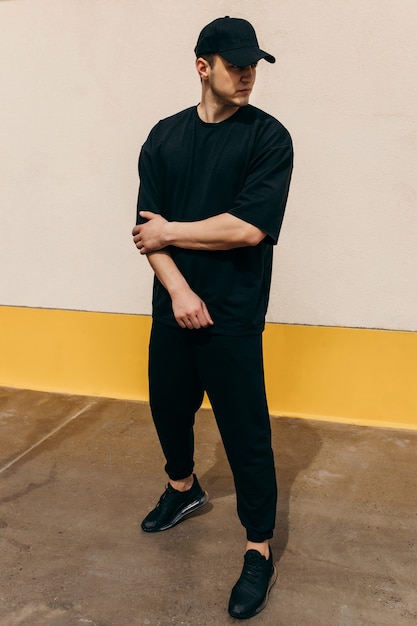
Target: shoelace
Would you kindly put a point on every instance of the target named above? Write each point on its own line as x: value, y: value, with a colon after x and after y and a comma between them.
x: 163, y: 498
x: 253, y: 567
x: 167, y: 493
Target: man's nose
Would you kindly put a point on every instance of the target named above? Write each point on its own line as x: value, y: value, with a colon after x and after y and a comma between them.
x: 248, y: 73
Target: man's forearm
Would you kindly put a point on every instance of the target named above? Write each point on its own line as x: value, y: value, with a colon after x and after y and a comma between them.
x: 221, y: 232
x: 189, y: 310
x: 167, y: 272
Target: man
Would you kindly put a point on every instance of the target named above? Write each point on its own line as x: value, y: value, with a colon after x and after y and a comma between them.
x: 214, y: 181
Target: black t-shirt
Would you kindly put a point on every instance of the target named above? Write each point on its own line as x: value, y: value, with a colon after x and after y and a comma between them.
x: 190, y: 170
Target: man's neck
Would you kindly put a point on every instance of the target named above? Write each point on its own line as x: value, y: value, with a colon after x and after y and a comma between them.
x: 213, y: 113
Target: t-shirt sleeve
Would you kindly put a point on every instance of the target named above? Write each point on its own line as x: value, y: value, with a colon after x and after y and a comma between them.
x: 263, y: 198
x: 150, y: 189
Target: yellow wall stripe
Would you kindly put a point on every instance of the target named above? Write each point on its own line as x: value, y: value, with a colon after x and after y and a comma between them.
x: 347, y: 375
x: 74, y: 352
x: 357, y: 376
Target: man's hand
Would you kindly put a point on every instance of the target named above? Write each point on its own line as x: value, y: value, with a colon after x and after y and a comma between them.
x: 148, y: 237
x: 188, y: 308
x: 190, y: 311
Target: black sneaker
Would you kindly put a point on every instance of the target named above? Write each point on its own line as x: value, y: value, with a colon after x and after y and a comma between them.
x: 173, y: 506
x: 250, y: 594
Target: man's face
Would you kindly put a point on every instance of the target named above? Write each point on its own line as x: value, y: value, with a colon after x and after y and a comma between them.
x: 231, y: 85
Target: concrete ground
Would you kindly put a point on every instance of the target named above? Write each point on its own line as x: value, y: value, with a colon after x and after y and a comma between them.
x: 78, y: 474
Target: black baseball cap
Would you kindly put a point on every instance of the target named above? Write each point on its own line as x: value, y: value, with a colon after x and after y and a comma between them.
x: 232, y: 38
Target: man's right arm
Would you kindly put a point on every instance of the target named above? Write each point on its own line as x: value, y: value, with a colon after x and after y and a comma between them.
x: 189, y: 309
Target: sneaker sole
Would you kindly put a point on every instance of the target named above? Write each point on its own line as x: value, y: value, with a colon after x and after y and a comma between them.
x: 187, y: 510
x: 261, y: 607
x: 272, y: 582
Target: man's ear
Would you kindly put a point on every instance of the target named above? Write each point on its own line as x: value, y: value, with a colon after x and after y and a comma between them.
x: 203, y: 68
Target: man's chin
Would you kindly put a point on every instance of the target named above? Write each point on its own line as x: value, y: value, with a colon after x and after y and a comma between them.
x: 242, y: 101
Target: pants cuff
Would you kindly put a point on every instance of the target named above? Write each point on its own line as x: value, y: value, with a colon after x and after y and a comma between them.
x: 259, y: 537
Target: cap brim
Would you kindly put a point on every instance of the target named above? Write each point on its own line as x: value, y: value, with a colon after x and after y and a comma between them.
x: 246, y: 56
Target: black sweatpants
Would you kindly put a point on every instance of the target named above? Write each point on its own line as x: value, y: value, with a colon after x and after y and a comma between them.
x: 182, y: 365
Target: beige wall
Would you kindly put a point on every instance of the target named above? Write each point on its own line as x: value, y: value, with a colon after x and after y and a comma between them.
x: 82, y: 82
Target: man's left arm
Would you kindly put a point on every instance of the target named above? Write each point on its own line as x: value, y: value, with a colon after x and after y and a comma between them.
x: 257, y: 212
x: 221, y: 232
